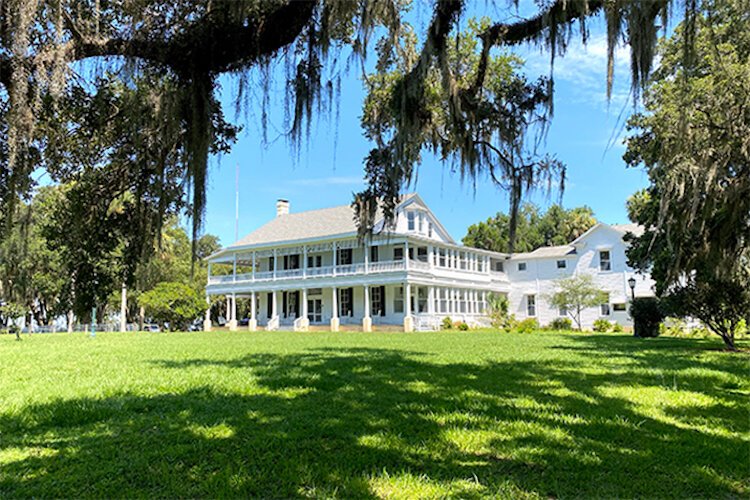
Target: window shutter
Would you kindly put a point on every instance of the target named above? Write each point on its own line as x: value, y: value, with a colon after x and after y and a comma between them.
x: 382, y: 301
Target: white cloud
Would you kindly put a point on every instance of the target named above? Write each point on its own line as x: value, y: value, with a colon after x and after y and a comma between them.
x: 585, y: 68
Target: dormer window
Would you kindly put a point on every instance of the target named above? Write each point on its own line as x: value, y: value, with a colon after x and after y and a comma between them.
x: 421, y: 221
x: 410, y: 216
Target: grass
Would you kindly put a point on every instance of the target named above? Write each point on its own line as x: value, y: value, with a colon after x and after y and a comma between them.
x: 283, y: 414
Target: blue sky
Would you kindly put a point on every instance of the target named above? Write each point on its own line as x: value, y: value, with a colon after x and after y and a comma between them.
x: 328, y: 169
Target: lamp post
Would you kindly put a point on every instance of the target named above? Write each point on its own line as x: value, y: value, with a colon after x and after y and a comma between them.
x: 631, y: 284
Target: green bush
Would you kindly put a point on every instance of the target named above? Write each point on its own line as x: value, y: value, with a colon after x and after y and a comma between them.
x: 174, y: 303
x: 617, y: 327
x: 463, y: 326
x: 447, y: 323
x: 647, y: 315
x: 561, y: 324
x: 602, y: 325
x: 528, y: 325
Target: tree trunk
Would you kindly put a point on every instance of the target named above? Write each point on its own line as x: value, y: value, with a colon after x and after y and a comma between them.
x: 728, y: 339
x: 141, y: 318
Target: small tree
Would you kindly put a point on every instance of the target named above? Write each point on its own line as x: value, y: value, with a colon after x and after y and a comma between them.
x: 575, y: 294
x: 724, y: 306
x: 173, y: 303
x: 12, y: 311
x: 497, y: 311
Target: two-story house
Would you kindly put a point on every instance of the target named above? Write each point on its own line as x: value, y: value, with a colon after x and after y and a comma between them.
x: 310, y: 268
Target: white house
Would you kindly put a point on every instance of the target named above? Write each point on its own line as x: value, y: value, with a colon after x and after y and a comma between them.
x: 309, y: 268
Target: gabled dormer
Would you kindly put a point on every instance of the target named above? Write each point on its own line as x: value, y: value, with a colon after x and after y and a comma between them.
x: 413, y: 217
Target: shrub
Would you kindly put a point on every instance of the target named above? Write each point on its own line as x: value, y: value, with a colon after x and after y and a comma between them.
x: 561, y: 324
x: 497, y: 311
x: 617, y: 327
x: 602, y: 325
x: 647, y: 315
x: 528, y: 325
x: 447, y: 323
x: 463, y: 326
x: 173, y: 303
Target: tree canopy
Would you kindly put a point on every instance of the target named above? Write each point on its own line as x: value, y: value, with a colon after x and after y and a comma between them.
x: 189, y: 43
x: 556, y: 226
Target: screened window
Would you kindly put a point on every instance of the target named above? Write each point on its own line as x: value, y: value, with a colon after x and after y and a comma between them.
x: 605, y: 263
x: 421, y: 221
x: 531, y: 305
x: 499, y: 267
x: 422, y: 254
x: 521, y: 266
x: 345, y: 256
x: 398, y: 253
x: 422, y: 299
x: 398, y: 300
x: 561, y: 264
x: 410, y: 216
x: 377, y: 300
x: 442, y: 257
x: 374, y: 254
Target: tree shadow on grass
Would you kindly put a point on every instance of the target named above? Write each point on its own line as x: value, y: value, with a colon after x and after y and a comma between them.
x: 352, y: 423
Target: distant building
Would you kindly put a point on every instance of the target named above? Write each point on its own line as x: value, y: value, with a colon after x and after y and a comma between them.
x: 309, y: 268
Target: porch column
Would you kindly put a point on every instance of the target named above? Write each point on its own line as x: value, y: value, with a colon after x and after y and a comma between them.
x: 233, y: 320
x: 333, y: 245
x: 335, y: 308
x: 253, y: 266
x: 304, y: 262
x: 304, y: 321
x: 408, y: 318
x: 406, y: 253
x: 431, y: 256
x: 431, y: 300
x: 367, y: 320
x: 275, y: 265
x: 252, y: 325
x: 274, y: 304
x: 207, y: 320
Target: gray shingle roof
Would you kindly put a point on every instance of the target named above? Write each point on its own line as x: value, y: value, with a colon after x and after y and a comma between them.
x: 306, y: 225
x: 541, y: 252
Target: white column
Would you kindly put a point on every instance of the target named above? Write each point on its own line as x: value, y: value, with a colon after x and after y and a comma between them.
x: 305, y: 312
x: 304, y: 262
x: 275, y: 266
x: 406, y: 253
x: 207, y: 320
x: 274, y: 304
x: 253, y: 266
x: 431, y: 256
x: 335, y: 257
x: 367, y: 320
x: 408, y: 318
x: 124, y: 308
x: 431, y: 300
x: 252, y: 325
x: 233, y: 315
x: 334, y: 310
x: 303, y: 321
x: 367, y: 258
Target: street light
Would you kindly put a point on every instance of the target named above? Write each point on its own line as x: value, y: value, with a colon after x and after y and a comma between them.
x: 631, y: 283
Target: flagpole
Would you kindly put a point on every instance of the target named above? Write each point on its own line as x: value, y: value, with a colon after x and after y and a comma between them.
x: 237, y: 203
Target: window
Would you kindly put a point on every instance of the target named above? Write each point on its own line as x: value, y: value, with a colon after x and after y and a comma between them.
x: 499, y: 266
x: 561, y: 264
x: 398, y: 253
x: 604, y: 307
x: 270, y: 263
x: 422, y: 254
x: 619, y: 307
x: 562, y: 312
x: 345, y: 301
x: 531, y: 305
x: 291, y: 261
x: 410, y: 218
x: 422, y: 299
x: 462, y: 260
x: 443, y: 300
x: 421, y: 221
x: 521, y: 266
x: 345, y: 256
x: 314, y: 261
x: 374, y: 254
x: 377, y: 300
x: 398, y: 300
x: 605, y: 263
x: 442, y: 257
x: 429, y: 229
x: 315, y: 291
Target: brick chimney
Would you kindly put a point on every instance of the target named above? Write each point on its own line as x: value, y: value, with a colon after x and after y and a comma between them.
x: 282, y: 207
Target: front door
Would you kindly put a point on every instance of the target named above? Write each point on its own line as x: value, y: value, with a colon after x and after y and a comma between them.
x: 315, y: 310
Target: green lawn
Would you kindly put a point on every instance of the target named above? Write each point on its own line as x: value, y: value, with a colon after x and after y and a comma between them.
x: 372, y: 415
